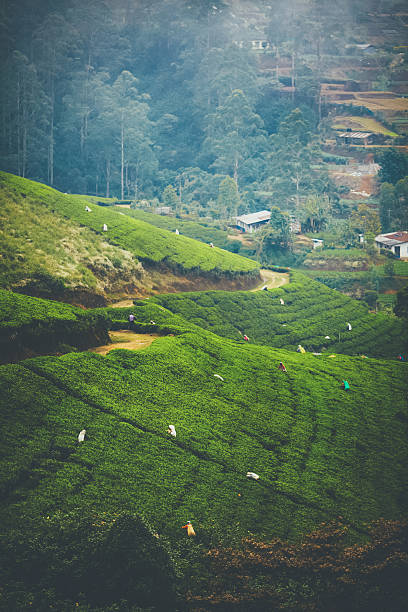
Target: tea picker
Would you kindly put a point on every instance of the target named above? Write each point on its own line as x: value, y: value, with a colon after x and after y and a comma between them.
x: 349, y: 327
x: 87, y: 209
x: 282, y: 367
x: 172, y: 431
x: 281, y: 301
x: 105, y: 227
x: 81, y: 436
x: 190, y: 529
x: 345, y: 385
x: 246, y: 338
x: 252, y: 475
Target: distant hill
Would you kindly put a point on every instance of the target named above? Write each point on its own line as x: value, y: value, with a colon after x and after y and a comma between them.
x: 52, y: 247
x: 311, y: 311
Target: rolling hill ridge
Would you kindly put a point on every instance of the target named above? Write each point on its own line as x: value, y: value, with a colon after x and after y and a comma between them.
x: 53, y: 247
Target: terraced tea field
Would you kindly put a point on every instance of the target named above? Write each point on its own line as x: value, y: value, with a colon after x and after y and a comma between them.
x: 311, y: 311
x: 319, y: 451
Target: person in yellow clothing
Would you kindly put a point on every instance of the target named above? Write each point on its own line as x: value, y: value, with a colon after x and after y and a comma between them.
x: 190, y: 530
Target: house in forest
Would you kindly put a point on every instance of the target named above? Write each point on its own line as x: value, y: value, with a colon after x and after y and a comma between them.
x: 252, y: 222
x: 359, y: 138
x: 396, y: 242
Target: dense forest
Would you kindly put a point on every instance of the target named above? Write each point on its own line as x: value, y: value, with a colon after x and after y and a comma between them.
x: 126, y: 99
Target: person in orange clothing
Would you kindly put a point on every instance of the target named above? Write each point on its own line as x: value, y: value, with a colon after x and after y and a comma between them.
x: 190, y: 530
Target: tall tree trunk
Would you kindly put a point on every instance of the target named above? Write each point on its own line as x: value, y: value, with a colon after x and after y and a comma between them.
x: 236, y: 169
x: 18, y: 126
x: 108, y: 169
x: 24, y: 156
x: 122, y: 156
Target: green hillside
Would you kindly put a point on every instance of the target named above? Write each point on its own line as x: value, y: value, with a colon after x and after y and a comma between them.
x: 31, y: 326
x: 36, y: 204
x: 187, y: 228
x: 42, y: 249
x: 320, y: 452
x: 310, y: 312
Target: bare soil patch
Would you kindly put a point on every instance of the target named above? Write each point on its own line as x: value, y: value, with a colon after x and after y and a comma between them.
x: 272, y: 279
x: 125, y: 339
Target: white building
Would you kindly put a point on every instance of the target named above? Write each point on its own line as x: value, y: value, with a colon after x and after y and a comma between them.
x: 252, y: 222
x: 397, y: 242
x: 317, y: 243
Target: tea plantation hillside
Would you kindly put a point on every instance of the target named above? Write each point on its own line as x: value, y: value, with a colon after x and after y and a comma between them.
x: 145, y: 242
x: 30, y: 326
x: 43, y: 253
x: 311, y: 311
x: 191, y: 229
x: 320, y: 452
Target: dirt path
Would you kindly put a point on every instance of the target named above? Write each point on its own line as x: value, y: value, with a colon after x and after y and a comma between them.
x: 125, y: 339
x: 272, y: 279
x: 123, y: 303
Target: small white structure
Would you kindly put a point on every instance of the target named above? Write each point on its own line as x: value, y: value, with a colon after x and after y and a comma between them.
x: 317, y: 243
x: 163, y: 210
x: 81, y: 436
x: 396, y: 242
x: 252, y: 222
x: 172, y: 431
x: 218, y: 376
x: 252, y: 475
x: 87, y: 209
x: 105, y: 227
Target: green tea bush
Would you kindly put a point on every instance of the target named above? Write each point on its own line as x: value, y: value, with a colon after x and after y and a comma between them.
x: 311, y: 311
x: 95, y: 558
x: 320, y: 452
x: 146, y: 242
x: 31, y: 326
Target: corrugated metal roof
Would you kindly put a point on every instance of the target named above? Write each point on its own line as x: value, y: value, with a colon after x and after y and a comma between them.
x: 262, y: 215
x: 393, y: 239
x: 355, y: 134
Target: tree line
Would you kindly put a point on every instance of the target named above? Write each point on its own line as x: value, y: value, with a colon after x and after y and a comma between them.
x: 123, y: 99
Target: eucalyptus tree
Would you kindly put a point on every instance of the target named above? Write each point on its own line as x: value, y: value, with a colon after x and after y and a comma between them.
x: 289, y: 171
x: 55, y: 44
x: 123, y: 132
x: 234, y: 135
x: 24, y: 125
x: 228, y: 198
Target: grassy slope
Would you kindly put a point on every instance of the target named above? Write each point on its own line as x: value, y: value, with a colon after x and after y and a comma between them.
x: 187, y: 228
x: 142, y: 239
x: 320, y: 452
x: 311, y: 312
x: 32, y: 326
x: 35, y: 237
